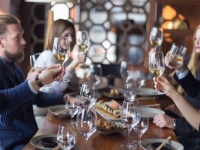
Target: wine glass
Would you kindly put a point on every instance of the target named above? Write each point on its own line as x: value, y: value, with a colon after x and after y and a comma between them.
x: 65, y: 136
x: 129, y: 93
x: 156, y: 37
x: 95, y: 75
x: 86, y: 122
x: 83, y: 42
x: 33, y: 59
x: 141, y: 127
x: 130, y: 117
x: 156, y: 64
x: 124, y: 69
x: 87, y: 95
x: 61, y: 53
x: 72, y: 107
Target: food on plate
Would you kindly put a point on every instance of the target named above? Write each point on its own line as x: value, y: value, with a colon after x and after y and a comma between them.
x: 107, y: 126
x: 112, y: 107
x: 114, y: 92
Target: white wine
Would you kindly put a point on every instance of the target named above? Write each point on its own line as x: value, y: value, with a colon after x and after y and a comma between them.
x: 60, y: 57
x: 83, y: 48
x: 156, y: 72
x: 178, y: 59
x: 156, y: 42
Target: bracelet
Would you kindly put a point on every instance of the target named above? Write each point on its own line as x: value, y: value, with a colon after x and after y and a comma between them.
x: 38, y: 82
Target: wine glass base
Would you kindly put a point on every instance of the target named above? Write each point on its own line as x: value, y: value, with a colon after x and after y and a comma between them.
x: 129, y: 146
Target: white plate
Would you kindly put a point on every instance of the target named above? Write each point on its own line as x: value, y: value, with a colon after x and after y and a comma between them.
x: 146, y: 144
x: 59, y: 110
x: 150, y: 112
x: 147, y: 92
x: 36, y: 142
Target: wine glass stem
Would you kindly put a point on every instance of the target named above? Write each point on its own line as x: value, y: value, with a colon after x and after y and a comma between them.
x: 129, y: 130
x: 85, y: 144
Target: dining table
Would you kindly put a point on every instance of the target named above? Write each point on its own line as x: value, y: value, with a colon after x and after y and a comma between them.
x: 99, y: 141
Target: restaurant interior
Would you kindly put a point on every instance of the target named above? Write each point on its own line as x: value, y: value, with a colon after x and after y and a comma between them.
x: 118, y: 30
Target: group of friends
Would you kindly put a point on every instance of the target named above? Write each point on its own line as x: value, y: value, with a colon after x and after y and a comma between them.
x: 18, y: 93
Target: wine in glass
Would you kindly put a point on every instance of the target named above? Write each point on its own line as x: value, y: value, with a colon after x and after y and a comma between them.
x: 61, y: 50
x: 65, y: 136
x: 141, y: 127
x: 86, y: 122
x: 83, y: 42
x: 130, y: 117
x: 156, y: 37
x: 156, y: 64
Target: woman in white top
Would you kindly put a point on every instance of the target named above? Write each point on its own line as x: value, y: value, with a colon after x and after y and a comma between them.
x: 61, y: 28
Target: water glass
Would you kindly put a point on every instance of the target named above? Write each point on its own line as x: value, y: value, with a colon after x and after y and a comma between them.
x: 65, y: 136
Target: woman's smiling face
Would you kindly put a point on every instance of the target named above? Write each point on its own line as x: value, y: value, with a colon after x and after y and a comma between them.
x: 197, y: 41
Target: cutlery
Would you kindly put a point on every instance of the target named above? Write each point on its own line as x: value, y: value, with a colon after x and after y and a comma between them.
x: 56, y: 148
x: 164, y: 142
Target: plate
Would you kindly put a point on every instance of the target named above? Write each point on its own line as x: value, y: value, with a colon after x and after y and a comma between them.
x: 146, y: 144
x: 150, y: 112
x: 36, y: 142
x: 59, y: 110
x: 120, y: 127
x: 147, y: 92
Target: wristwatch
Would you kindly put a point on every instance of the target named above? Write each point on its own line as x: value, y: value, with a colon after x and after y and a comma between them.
x: 38, y: 82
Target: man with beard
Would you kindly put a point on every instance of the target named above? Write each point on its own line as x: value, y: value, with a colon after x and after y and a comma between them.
x: 17, y: 124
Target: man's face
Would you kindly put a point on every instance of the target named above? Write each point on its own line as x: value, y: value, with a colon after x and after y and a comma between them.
x: 13, y: 44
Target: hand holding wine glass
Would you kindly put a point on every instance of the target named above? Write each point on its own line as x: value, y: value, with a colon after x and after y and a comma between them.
x: 156, y: 64
x: 156, y: 37
x: 61, y: 50
x: 83, y: 41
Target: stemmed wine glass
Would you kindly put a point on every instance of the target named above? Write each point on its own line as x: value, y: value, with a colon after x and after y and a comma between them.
x: 156, y: 37
x: 72, y: 107
x: 130, y: 116
x: 95, y: 75
x: 33, y: 59
x: 87, y: 95
x: 61, y: 53
x: 124, y: 69
x: 65, y: 136
x: 156, y: 63
x: 141, y: 127
x: 83, y: 42
x: 86, y: 122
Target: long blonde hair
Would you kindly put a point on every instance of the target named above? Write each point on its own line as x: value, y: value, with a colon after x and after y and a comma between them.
x: 194, y: 63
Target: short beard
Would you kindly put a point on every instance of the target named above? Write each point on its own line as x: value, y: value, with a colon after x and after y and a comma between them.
x: 18, y: 58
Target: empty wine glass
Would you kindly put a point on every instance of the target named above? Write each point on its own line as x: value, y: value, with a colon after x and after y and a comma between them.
x: 156, y: 37
x: 156, y: 63
x: 129, y: 93
x: 33, y: 59
x: 124, y: 69
x: 65, y: 136
x: 87, y: 95
x: 61, y: 51
x: 86, y: 122
x: 83, y: 42
x: 130, y: 117
x: 141, y: 127
x: 72, y: 107
x: 95, y: 75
